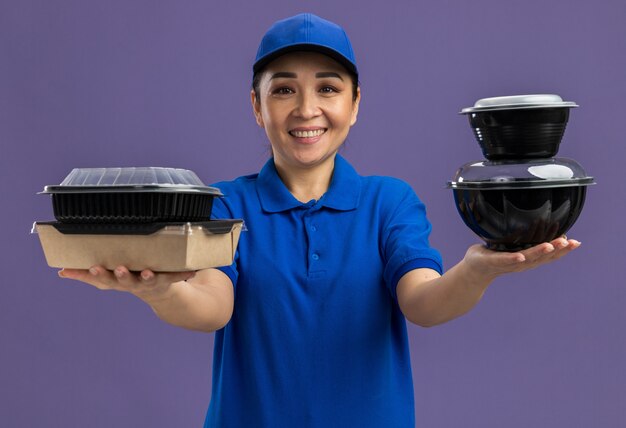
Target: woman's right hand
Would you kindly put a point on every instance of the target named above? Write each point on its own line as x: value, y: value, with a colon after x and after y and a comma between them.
x: 204, y: 303
x: 147, y: 285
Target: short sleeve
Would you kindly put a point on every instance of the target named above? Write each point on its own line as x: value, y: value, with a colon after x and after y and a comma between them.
x: 221, y: 211
x: 405, y: 239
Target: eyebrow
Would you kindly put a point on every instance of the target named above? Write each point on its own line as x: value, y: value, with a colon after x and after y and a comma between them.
x: 290, y: 75
x: 328, y: 74
x: 285, y: 74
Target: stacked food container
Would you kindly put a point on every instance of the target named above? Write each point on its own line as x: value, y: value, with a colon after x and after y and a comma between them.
x: 142, y: 218
x: 521, y: 195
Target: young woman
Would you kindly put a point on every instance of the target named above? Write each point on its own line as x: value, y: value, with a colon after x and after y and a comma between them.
x: 310, y: 319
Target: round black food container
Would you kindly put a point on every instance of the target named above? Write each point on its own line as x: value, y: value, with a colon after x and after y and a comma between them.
x: 131, y: 195
x: 516, y: 205
x: 518, y: 127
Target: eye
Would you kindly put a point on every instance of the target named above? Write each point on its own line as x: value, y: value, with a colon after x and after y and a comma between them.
x: 283, y: 90
x: 328, y: 90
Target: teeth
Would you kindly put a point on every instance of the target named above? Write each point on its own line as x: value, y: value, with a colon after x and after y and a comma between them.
x: 307, y: 134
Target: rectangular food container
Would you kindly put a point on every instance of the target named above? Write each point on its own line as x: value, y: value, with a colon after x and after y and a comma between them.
x: 160, y: 247
x: 131, y: 195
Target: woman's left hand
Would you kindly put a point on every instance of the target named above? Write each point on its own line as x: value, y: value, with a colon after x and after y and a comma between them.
x: 428, y: 299
x: 492, y: 264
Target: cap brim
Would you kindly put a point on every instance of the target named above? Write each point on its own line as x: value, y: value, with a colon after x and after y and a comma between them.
x: 261, y: 63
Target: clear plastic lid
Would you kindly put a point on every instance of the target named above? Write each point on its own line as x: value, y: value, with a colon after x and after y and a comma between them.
x: 518, y: 102
x: 130, y: 179
x: 550, y: 172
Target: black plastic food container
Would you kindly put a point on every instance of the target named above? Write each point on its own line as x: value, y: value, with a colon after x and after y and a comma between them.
x: 519, y: 127
x: 131, y: 195
x: 516, y: 205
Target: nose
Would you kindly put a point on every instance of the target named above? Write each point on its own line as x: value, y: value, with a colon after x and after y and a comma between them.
x: 307, y: 106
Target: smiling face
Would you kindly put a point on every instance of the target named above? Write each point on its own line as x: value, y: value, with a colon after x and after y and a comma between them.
x: 306, y: 107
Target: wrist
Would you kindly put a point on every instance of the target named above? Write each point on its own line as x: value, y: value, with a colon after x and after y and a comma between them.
x: 476, y: 276
x: 156, y: 295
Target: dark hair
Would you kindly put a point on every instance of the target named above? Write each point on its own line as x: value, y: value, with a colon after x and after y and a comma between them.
x: 256, y: 82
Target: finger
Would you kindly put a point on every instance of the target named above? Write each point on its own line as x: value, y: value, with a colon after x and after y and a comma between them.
x: 550, y: 251
x: 538, y: 251
x: 126, y: 280
x: 102, y: 278
x: 76, y: 274
x: 531, y: 257
x: 96, y: 276
x: 572, y: 245
x: 560, y: 246
x: 504, y: 258
x: 560, y: 243
x: 147, y: 276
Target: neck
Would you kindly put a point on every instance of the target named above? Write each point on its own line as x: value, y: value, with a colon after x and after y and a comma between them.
x: 307, y: 183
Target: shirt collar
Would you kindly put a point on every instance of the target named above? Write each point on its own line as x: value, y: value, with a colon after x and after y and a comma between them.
x: 343, y: 193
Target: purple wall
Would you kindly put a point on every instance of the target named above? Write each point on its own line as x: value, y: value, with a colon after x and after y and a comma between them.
x: 120, y: 83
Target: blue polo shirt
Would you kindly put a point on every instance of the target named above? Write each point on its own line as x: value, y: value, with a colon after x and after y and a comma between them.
x: 317, y: 338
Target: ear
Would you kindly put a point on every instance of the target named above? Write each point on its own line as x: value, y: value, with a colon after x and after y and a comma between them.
x: 355, y: 106
x: 256, y: 108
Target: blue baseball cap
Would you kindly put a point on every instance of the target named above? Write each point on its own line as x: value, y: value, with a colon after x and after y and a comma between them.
x: 305, y: 32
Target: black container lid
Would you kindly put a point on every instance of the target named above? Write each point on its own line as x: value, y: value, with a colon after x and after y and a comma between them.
x: 520, y: 174
x: 132, y: 179
x: 516, y: 102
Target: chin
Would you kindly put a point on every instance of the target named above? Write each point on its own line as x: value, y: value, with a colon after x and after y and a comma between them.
x: 312, y: 159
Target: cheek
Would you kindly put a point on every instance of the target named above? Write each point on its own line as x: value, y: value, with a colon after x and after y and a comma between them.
x: 267, y: 117
x: 269, y: 123
x: 274, y: 114
x: 343, y: 116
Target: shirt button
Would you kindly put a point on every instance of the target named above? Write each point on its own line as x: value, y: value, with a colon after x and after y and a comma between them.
x: 314, y: 228
x: 315, y: 256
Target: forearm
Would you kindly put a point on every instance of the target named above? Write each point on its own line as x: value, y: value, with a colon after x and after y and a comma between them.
x: 437, y: 300
x: 198, y: 301
x: 428, y: 299
x: 192, y: 305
